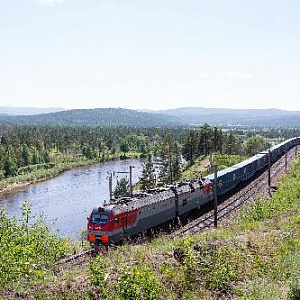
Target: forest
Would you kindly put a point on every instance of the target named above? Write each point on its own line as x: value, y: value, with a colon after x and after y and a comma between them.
x: 43, y: 149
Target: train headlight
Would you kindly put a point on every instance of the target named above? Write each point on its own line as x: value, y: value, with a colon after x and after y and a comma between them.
x: 104, y: 239
x: 92, y: 238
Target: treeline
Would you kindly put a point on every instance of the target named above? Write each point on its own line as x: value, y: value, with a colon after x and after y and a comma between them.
x: 265, y: 132
x: 191, y: 144
x: 25, y: 148
x: 207, y: 139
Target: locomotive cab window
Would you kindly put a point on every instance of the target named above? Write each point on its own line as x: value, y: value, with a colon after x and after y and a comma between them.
x: 99, y: 219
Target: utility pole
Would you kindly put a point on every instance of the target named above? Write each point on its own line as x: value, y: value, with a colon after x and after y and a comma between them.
x: 170, y: 163
x: 211, y: 160
x: 130, y: 180
x: 286, y: 160
x: 110, y: 185
x: 215, y: 198
x: 269, y: 172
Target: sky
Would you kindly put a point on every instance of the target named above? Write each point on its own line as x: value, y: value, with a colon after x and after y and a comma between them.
x: 150, y: 54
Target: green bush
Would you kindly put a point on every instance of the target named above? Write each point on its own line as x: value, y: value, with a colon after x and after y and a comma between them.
x: 98, y: 276
x: 215, y: 266
x: 294, y: 293
x: 34, y: 168
x: 224, y: 161
x: 188, y: 257
x: 27, y: 248
x: 138, y: 282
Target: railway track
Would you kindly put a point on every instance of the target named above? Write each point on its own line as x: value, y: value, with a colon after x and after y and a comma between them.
x: 225, y: 208
x: 76, y: 258
x: 232, y: 203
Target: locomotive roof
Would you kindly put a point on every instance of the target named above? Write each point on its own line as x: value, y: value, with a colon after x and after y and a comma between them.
x: 138, y: 201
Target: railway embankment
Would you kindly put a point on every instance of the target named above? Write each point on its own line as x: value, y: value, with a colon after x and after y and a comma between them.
x: 255, y: 255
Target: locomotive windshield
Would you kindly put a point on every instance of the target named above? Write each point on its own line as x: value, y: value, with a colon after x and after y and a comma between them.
x: 98, y: 218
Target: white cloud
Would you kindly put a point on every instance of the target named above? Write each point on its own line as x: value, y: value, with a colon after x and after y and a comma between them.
x: 240, y: 75
x: 49, y: 2
x: 203, y: 75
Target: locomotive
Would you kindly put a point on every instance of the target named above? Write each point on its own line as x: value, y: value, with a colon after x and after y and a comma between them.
x: 127, y: 217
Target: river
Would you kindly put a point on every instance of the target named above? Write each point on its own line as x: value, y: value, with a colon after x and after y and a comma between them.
x: 67, y: 199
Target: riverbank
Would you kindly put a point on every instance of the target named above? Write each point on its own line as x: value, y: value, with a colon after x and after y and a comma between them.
x: 7, y: 185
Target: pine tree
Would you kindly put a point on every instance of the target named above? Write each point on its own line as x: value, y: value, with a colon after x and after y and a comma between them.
x: 36, y: 157
x: 124, y: 146
x: 122, y: 188
x: 148, y: 174
x: 189, y: 146
x: 25, y: 155
x: 46, y: 157
x: 9, y: 165
x: 176, y: 161
x: 170, y: 159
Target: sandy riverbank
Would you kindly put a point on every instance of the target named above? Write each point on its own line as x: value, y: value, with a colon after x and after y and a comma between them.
x: 13, y: 186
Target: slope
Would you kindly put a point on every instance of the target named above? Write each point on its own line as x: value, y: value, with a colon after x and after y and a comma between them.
x: 95, y: 117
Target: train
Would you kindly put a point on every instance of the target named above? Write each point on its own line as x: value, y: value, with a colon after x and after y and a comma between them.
x: 130, y: 216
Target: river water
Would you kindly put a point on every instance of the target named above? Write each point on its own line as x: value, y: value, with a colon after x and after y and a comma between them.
x: 68, y: 199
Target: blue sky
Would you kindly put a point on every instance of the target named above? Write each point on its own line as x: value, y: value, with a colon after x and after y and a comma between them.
x: 150, y: 54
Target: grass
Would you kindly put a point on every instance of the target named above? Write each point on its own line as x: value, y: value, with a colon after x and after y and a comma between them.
x: 201, y: 166
x: 256, y: 256
x: 224, y: 161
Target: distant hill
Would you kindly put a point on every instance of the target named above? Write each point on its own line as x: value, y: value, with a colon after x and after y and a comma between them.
x: 147, y: 118
x: 15, y: 111
x: 225, y: 116
x: 97, y: 116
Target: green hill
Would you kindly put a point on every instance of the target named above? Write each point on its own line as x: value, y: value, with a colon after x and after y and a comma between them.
x: 97, y: 116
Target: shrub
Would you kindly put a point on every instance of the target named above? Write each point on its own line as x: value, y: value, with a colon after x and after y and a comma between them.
x: 294, y: 293
x: 98, y: 276
x: 27, y: 248
x: 138, y: 282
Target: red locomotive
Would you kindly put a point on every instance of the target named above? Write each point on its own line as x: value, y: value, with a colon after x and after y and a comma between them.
x: 127, y: 217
